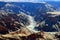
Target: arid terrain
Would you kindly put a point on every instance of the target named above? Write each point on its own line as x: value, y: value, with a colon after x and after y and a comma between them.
x: 26, y: 35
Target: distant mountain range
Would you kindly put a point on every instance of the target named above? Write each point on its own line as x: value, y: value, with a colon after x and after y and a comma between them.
x: 37, y: 10
x: 32, y: 9
x: 55, y: 4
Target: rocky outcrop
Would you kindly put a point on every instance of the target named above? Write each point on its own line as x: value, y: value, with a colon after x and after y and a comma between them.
x: 26, y: 35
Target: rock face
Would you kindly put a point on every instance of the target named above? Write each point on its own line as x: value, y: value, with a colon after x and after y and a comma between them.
x: 12, y: 22
x: 13, y: 29
x: 30, y: 36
